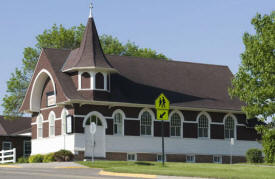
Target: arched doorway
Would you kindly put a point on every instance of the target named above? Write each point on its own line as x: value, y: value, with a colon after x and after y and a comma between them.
x: 100, y: 144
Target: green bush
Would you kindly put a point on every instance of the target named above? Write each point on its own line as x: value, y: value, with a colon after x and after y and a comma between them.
x: 23, y: 160
x: 36, y: 158
x: 254, y: 156
x: 48, y: 158
x: 63, y: 155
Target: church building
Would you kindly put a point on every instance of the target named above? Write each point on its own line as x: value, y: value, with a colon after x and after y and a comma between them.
x: 72, y: 88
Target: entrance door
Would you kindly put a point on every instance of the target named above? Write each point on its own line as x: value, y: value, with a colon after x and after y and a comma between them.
x: 99, y: 138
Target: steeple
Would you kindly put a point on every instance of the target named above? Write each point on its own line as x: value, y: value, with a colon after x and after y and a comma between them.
x: 90, y: 54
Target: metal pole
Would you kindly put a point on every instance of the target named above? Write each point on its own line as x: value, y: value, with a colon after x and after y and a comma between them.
x: 230, y: 154
x: 162, y: 134
x: 93, y: 143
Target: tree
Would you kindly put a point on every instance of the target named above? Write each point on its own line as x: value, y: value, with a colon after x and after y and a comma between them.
x: 60, y: 37
x: 254, y: 83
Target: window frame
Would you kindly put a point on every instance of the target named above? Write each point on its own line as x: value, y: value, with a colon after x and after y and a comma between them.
x: 64, y: 121
x: 220, y: 159
x: 38, y: 124
x: 181, y: 123
x: 51, y: 123
x: 208, y: 125
x: 118, y: 111
x: 6, y: 142
x: 24, y: 148
x: 235, y: 125
x: 150, y: 112
x: 135, y: 156
x: 191, y: 155
x: 104, y: 79
x: 81, y: 74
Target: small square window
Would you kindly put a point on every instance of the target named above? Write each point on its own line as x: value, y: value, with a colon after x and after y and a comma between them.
x: 190, y: 158
x: 131, y: 157
x: 217, y: 159
x: 159, y: 158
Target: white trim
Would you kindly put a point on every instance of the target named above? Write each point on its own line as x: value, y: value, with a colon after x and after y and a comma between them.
x: 66, y: 112
x: 79, y: 80
x: 121, y: 104
x: 92, y: 82
x: 29, y: 86
x: 132, y: 154
x: 50, y: 107
x: 217, y: 123
x: 42, y: 120
x: 192, y: 122
x: 181, y: 122
x: 91, y: 68
x: 235, y: 124
x: 152, y: 120
x: 38, y: 89
x: 123, y: 118
x: 99, y: 115
x: 209, y: 121
x: 52, y: 113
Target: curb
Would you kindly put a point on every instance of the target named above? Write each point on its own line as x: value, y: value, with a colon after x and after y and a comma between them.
x: 126, y: 174
x: 9, y: 166
x: 70, y: 167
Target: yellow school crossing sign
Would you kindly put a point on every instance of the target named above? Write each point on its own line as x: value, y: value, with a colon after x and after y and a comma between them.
x: 162, y: 105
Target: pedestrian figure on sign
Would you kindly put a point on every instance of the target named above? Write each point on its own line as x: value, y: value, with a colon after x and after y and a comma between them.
x: 163, y: 102
x: 160, y: 102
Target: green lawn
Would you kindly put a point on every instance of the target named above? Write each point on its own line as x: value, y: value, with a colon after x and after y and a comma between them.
x: 224, y: 171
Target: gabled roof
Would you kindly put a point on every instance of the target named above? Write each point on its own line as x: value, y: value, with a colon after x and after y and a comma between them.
x: 141, y: 80
x: 15, y: 126
x: 90, y: 54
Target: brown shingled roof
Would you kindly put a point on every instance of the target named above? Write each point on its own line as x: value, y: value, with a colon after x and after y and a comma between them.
x: 141, y: 80
x: 90, y: 53
x: 15, y: 126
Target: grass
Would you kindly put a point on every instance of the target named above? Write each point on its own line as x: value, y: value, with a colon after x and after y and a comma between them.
x: 223, y: 171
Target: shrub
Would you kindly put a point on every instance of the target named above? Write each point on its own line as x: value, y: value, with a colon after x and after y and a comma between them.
x: 36, y: 158
x: 48, y: 158
x: 23, y: 160
x: 254, y: 156
x: 63, y: 155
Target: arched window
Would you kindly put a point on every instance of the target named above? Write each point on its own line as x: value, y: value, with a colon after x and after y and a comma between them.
x: 64, y: 114
x: 94, y: 119
x: 146, y: 123
x: 118, y: 123
x: 99, y: 81
x: 51, y: 124
x: 203, y: 126
x: 175, y: 127
x: 39, y: 122
x: 229, y: 127
x: 85, y: 80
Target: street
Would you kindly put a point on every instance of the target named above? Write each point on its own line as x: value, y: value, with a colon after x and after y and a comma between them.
x: 52, y: 173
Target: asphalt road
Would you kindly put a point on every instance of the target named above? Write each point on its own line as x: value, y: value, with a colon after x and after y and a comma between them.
x: 50, y: 173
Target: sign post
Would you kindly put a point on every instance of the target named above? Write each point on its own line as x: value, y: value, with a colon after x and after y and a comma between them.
x: 162, y: 105
x: 232, y: 142
x: 92, y: 131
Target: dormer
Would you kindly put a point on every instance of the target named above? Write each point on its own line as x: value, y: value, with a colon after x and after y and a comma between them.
x: 94, y: 80
x: 90, y: 62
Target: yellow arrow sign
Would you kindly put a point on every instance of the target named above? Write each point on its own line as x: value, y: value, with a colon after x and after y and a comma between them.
x: 162, y: 102
x: 162, y: 114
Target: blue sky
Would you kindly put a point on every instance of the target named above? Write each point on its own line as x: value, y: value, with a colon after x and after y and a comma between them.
x: 203, y: 31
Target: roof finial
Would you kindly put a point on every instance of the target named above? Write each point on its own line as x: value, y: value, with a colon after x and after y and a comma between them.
x: 91, y: 7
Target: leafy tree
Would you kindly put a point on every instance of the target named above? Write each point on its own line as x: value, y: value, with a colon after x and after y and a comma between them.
x: 254, y: 83
x: 60, y: 37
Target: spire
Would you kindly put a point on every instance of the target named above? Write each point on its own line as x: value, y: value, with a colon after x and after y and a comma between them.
x: 91, y: 8
x: 90, y: 54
